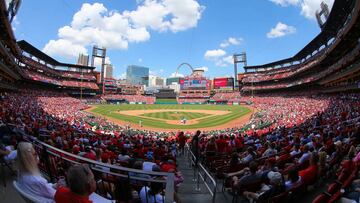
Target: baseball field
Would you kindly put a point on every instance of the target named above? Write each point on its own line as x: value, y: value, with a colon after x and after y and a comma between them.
x: 174, y: 117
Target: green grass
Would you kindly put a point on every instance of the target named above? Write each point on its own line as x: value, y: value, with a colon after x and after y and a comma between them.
x: 211, y: 121
x: 174, y: 115
x: 166, y: 100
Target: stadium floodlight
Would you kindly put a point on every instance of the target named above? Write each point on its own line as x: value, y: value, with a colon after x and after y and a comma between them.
x: 13, y: 8
x: 238, y: 58
x: 322, y: 15
x: 99, y: 53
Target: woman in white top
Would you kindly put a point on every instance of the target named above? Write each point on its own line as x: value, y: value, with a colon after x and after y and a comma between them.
x: 30, y: 179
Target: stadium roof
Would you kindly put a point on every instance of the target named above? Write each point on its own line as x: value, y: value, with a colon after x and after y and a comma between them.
x: 24, y: 45
x: 337, y: 17
x: 8, y: 35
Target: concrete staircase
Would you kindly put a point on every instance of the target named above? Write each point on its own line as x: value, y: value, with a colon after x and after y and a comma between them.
x: 188, y: 192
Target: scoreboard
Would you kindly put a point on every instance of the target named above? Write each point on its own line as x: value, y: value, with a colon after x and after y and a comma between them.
x: 223, y: 83
x: 194, y: 84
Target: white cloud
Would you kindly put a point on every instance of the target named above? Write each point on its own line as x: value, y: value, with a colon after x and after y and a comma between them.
x: 156, y: 72
x: 225, y: 61
x: 281, y: 30
x: 214, y: 54
x: 231, y: 41
x: 285, y: 2
x: 64, y: 48
x: 163, y: 15
x: 94, y: 24
x: 15, y: 23
x: 122, y: 76
x: 174, y: 75
x: 229, y: 59
x: 140, y: 60
x: 204, y: 68
x: 219, y: 55
x: 308, y: 7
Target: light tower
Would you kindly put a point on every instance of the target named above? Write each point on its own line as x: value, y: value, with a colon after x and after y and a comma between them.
x: 322, y: 15
x: 238, y: 58
x: 100, y: 53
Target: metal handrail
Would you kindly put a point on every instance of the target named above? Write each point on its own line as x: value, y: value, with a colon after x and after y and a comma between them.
x: 212, y: 192
x: 198, y: 175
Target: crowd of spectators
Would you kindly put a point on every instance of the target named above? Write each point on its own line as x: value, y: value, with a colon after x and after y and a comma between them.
x: 302, y: 129
x: 227, y: 96
x: 58, y: 120
x: 66, y: 83
x: 57, y: 73
x: 307, y: 143
x: 40, y: 72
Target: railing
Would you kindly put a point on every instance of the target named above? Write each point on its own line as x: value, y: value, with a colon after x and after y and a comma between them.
x: 201, y: 172
x: 55, y: 162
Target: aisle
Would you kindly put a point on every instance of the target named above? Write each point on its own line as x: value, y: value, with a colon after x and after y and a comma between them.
x: 187, y: 191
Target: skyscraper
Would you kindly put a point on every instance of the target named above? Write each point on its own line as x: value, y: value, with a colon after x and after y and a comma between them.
x: 108, y: 71
x: 137, y: 75
x: 83, y: 60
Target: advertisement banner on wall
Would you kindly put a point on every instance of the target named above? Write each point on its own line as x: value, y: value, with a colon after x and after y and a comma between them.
x: 223, y: 83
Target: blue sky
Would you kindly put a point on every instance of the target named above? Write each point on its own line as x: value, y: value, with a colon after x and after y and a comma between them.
x: 161, y: 34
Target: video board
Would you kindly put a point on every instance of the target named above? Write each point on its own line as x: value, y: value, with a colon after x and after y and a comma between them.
x: 223, y: 83
x: 194, y: 84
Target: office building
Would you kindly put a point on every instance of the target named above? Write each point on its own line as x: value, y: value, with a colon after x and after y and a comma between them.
x: 137, y: 75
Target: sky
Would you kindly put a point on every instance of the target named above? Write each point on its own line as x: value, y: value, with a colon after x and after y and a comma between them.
x: 162, y: 34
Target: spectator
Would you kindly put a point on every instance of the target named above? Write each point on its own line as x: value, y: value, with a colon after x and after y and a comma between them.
x: 152, y: 194
x: 81, y: 186
x: 251, y: 155
x: 271, y: 151
x: 181, y: 139
x: 310, y: 174
x: 276, y: 187
x: 195, y: 145
x: 30, y: 179
x: 123, y: 156
x: 251, y: 178
x: 8, y: 153
x: 293, y: 179
x: 305, y: 156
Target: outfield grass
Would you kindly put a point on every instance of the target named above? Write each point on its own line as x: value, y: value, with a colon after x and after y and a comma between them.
x: 166, y: 100
x: 211, y: 121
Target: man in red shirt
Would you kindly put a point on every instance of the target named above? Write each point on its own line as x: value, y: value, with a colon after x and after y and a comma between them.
x: 310, y: 174
x: 89, y: 154
x: 181, y: 139
x: 221, y: 144
x: 81, y: 184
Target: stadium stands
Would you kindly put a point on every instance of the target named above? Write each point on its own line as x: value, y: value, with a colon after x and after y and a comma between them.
x: 294, y: 140
x: 334, y: 49
x: 227, y: 96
